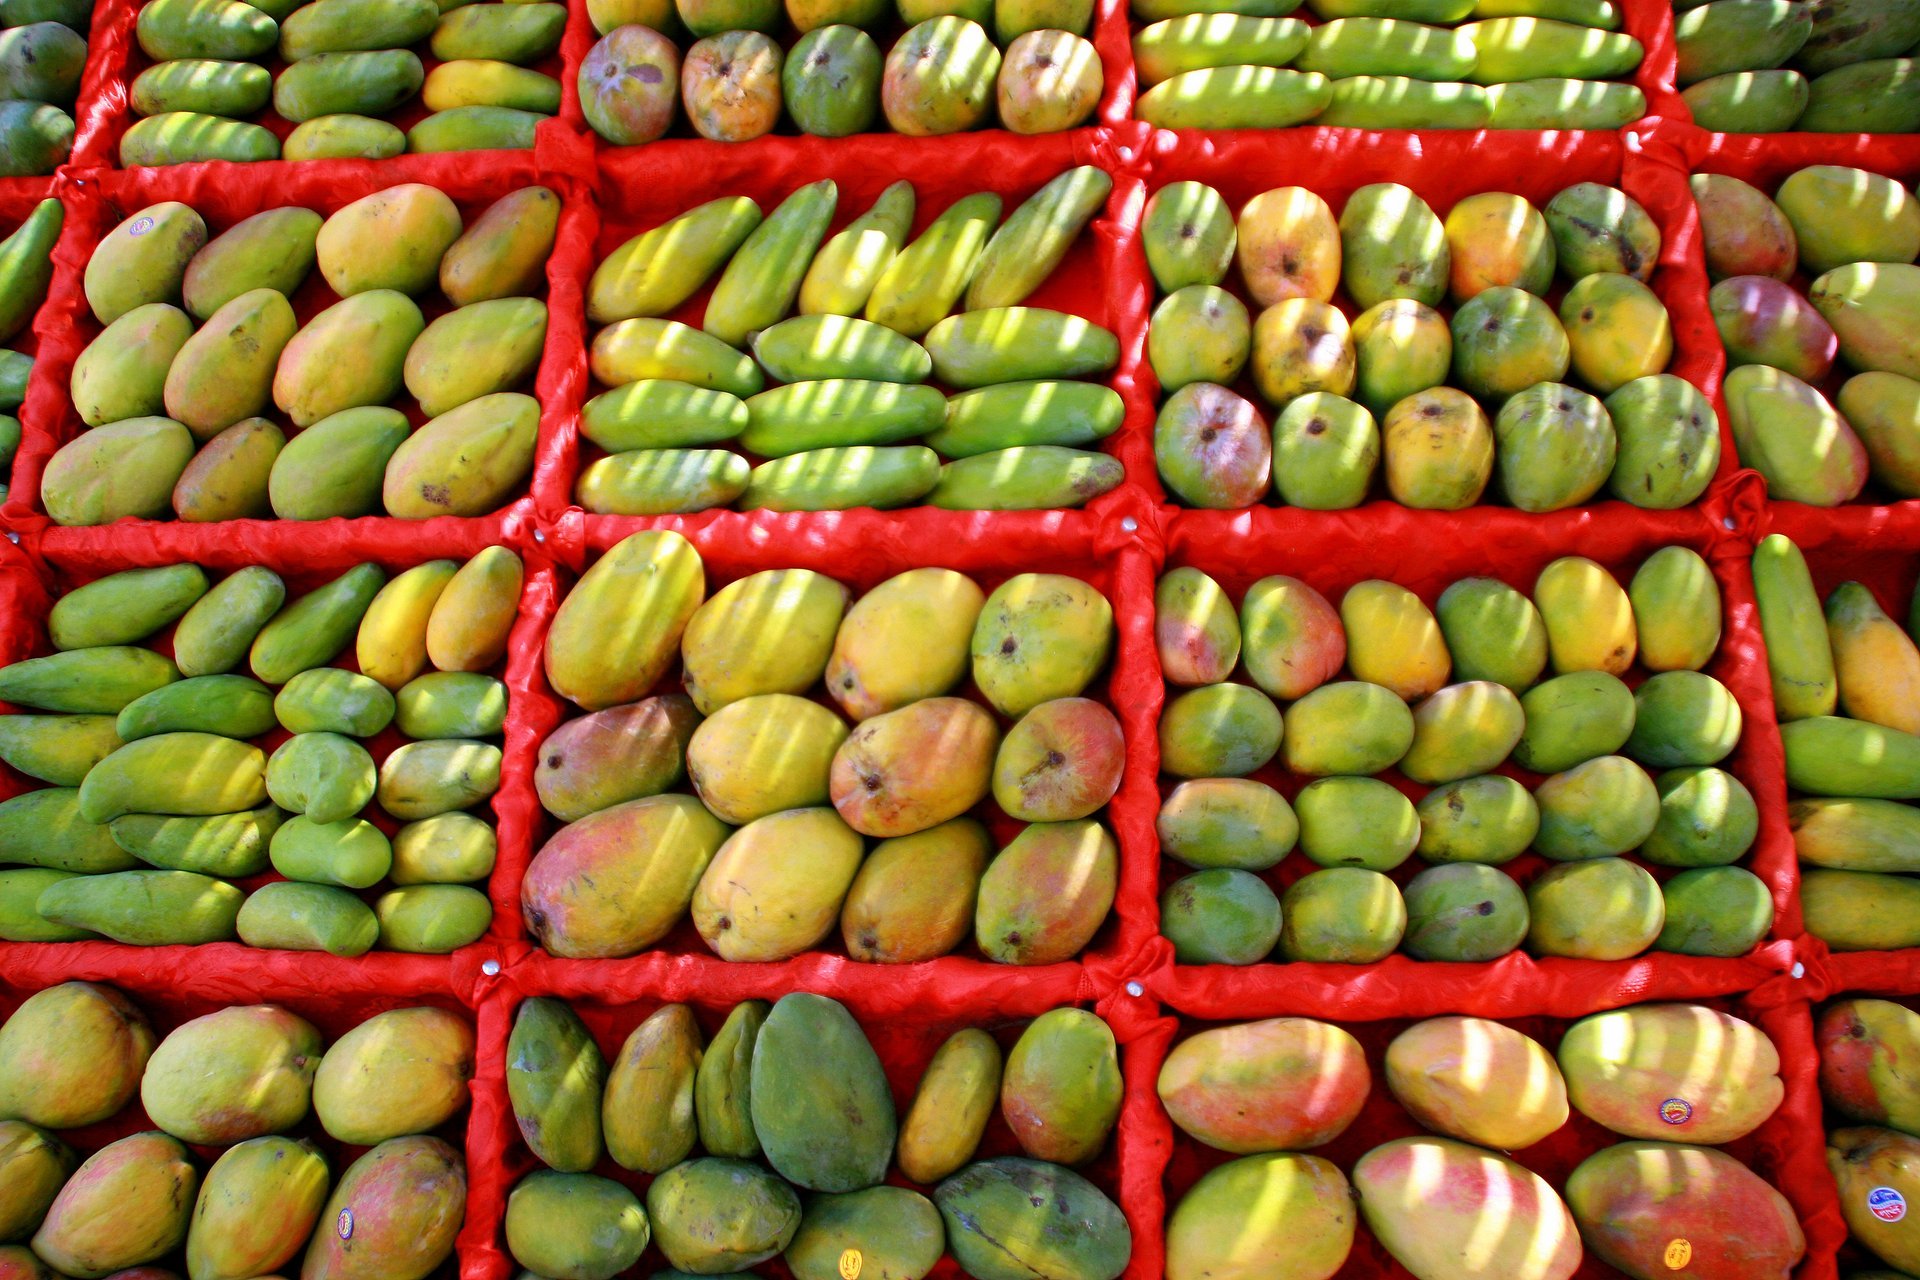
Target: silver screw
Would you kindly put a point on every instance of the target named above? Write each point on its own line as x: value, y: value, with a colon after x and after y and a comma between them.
x: 490, y: 968
x: 13, y: 537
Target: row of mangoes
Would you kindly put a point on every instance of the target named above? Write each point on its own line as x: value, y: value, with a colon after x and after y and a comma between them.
x: 26, y: 272
x: 1846, y: 685
x: 1654, y: 442
x: 1018, y: 434
x: 1875, y: 1149
x: 1674, y: 1080
x: 1494, y: 644
x: 178, y: 414
x: 790, y: 1098
x: 241, y: 1080
x: 1734, y: 73
x: 1855, y: 235
x: 345, y: 63
x: 771, y: 849
x: 159, y: 798
x: 43, y: 50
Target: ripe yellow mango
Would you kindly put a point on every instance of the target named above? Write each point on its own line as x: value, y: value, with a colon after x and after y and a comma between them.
x: 1589, y: 618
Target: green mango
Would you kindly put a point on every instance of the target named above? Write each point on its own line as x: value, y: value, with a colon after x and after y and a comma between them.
x: 35, y: 138
x: 125, y: 468
x: 838, y: 413
x: 26, y: 266
x: 830, y: 81
x: 124, y: 608
x: 95, y: 681
x: 466, y: 462
x: 187, y: 137
x: 423, y: 779
x: 1490, y: 819
x: 519, y: 33
x: 1036, y: 237
x: 452, y: 848
x: 1026, y: 478
x: 77, y: 14
x: 1707, y: 818
x: 1867, y: 97
x: 20, y: 918
x: 15, y: 370
x: 44, y: 829
x: 921, y: 284
x: 893, y: 1230
x: 215, y: 633
x: 1860, y: 910
x: 1573, y: 718
x: 170, y: 29
x: 313, y: 630
x: 351, y: 853
x: 1715, y: 911
x: 841, y: 479
x: 844, y: 272
x: 123, y: 372
x: 660, y: 413
x: 232, y: 706
x: 1196, y: 41
x: 1554, y: 447
x: 290, y: 916
x: 432, y: 919
x: 720, y: 1216
x: 145, y: 908
x: 1011, y: 1219
x: 1748, y: 101
x: 1401, y: 102
x: 1401, y: 347
x: 568, y: 1224
x: 1200, y: 333
x: 819, y: 1099
x: 1738, y: 35
x: 1540, y: 48
x: 1027, y: 413
x: 351, y: 354
x: 326, y: 777
x: 1790, y: 433
x: 270, y: 250
x: 1325, y: 452
x: 343, y: 137
x: 362, y: 84
x: 650, y: 482
x: 41, y: 62
x: 555, y: 1076
x: 1668, y: 442
x: 1015, y: 344
x: 474, y: 351
x: 656, y: 271
x: 1831, y: 756
x: 723, y: 1081
x: 451, y: 704
x: 811, y: 348
x: 1604, y: 14
x: 232, y: 846
x: 1392, y: 246
x: 204, y: 85
x: 645, y: 348
x: 336, y: 467
x: 1597, y: 228
x: 345, y: 26
x: 475, y: 128
x: 1236, y: 98
x: 1683, y: 718
x: 1873, y: 307
x: 1846, y: 32
x: 1506, y: 340
x: 760, y: 284
x: 1352, y: 47
x: 1220, y: 916
x: 57, y: 749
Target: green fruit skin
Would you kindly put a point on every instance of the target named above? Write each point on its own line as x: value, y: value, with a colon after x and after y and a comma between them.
x: 1342, y: 915
x: 271, y: 250
x: 1490, y: 819
x: 333, y: 700
x: 1401, y: 102
x: 643, y: 278
x: 91, y: 681
x: 344, y: 137
x: 574, y: 1224
x: 716, y: 1216
x: 20, y: 918
x: 1748, y: 101
x: 1218, y: 731
x: 1529, y: 49
x: 1227, y: 822
x: 424, y: 779
x: 1392, y: 246
x: 1361, y: 822
x: 1035, y: 238
x: 1715, y: 911
x: 517, y: 33
x: 759, y: 285
x: 216, y: 632
x: 1600, y: 228
x: 232, y: 706
x: 839, y: 413
x: 1061, y: 1089
x: 476, y: 350
x: 204, y: 85
x: 1198, y: 334
x: 811, y: 348
x: 58, y: 749
x: 26, y: 267
x: 1221, y: 916
x: 367, y: 84
x: 819, y: 1099
x: 1200, y: 40
x: 126, y: 607
x: 897, y: 1232
x: 1554, y: 446
x: 347, y: 26
x: 1506, y: 340
x: 1492, y: 632
x: 650, y: 482
x: 451, y: 704
x: 145, y: 908
x: 77, y: 14
x: 125, y: 468
x: 1235, y: 98
x: 1860, y: 910
x: 1347, y: 727
x: 475, y: 128
x: 1464, y: 912
x: 1574, y: 718
x: 232, y: 846
x: 1683, y: 718
x: 290, y: 916
x: 327, y: 777
x: 1799, y: 649
x: 555, y: 1075
x: 1668, y: 442
x: 1026, y: 478
x: 1013, y: 414
x: 171, y: 29
x: 841, y: 479
x: 1015, y: 344
x: 313, y: 629
x: 1720, y: 37
x: 660, y: 413
x: 723, y: 1084
x: 1564, y: 104
x: 1597, y: 909
x: 1189, y: 236
x: 1605, y: 806
x: 1010, y: 1219
x: 35, y: 138
x: 41, y: 62
x: 351, y: 854
x: 1707, y: 818
x: 671, y: 351
x: 228, y: 478
x: 1832, y: 756
x: 186, y: 137
x: 830, y: 82
x: 44, y: 829
x: 1850, y: 31
x: 921, y: 283
x: 1867, y: 97
x: 432, y: 919
x: 451, y: 848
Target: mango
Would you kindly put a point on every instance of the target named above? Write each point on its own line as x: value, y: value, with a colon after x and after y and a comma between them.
x: 845, y: 271
x: 257, y: 1204
x: 1849, y: 31
x: 1528, y: 48
x: 1348, y: 727
x: 1356, y: 822
x: 1492, y: 633
x: 605, y: 1228
x: 647, y: 1113
x: 186, y: 137
x: 123, y: 372
x: 1574, y: 718
x: 292, y: 916
x: 1046, y: 893
x: 102, y: 679
x: 1617, y: 329
x: 1676, y: 610
x: 1288, y: 247
x: 1589, y: 619
x: 333, y: 700
x: 1628, y: 1068
x: 1403, y: 102
x: 352, y: 84
x: 722, y: 1084
x: 503, y: 253
x: 1506, y: 340
x: 1341, y: 915
x: 907, y: 770
x: 171, y: 29
x: 1871, y: 306
x: 400, y: 1072
x: 1748, y: 101
x: 1301, y: 345
x: 811, y: 1061
x: 73, y: 1055
x: 839, y: 479
x: 325, y: 776
x: 1325, y: 450
x: 351, y: 354
x: 663, y: 481
x: 642, y: 278
x: 474, y: 351
x: 1196, y: 632
x: 1221, y: 730
x: 1038, y: 637
x: 1683, y: 718
x: 35, y: 138
x: 1634, y: 1199
x: 1464, y: 912
x: 1276, y: 1084
x: 404, y: 1200
x: 480, y: 82
x: 1832, y: 755
x: 830, y: 81
x: 730, y: 83
x: 1396, y: 1185
x: 1063, y: 760
x: 1302, y: 1219
x: 1764, y: 321
x: 913, y: 896
x: 124, y: 608
x: 1712, y: 39
x: 761, y: 281
x: 1211, y: 448
x: 223, y: 374
x: 1555, y: 445
x: 611, y: 756
x: 451, y: 704
x: 1715, y: 911
x: 1401, y: 347
x: 1604, y: 806
x: 1857, y: 910
x: 667, y: 572
x: 471, y: 621
x: 1496, y: 240
x: 126, y: 1205
x: 1799, y: 649
x: 425, y: 779
x: 894, y: 1230
x: 143, y: 259
x: 1220, y: 916
x: 1227, y: 822
x: 20, y: 919
x: 230, y: 845
x: 466, y: 462
x: 1015, y: 414
x: 270, y: 250
x: 1439, y: 450
x: 1188, y: 232
x: 1477, y: 1080
x: 1236, y: 97
x: 951, y: 1106
x: 34, y: 1165
x: 390, y: 646
x: 922, y: 282
x: 335, y: 26
x: 939, y: 77
x: 1841, y: 216
x: 521, y: 33
x: 42, y: 61
x: 836, y: 413
x: 351, y: 853
x: 1012, y: 1217
x: 233, y: 1074
x: 1852, y: 835
x: 191, y: 774
x: 1037, y: 236
x: 1490, y: 819
x: 1196, y: 41
x: 1597, y: 228
x: 1742, y: 231
x: 1393, y: 247
x: 233, y: 706
x: 618, y: 880
x: 1061, y: 1090
x: 763, y: 754
x: 1199, y: 334
x: 711, y: 1216
x: 555, y: 1076
x: 1860, y: 1041
x: 231, y: 477
x: 803, y: 860
x: 449, y: 848
x: 1393, y: 640
x: 1462, y: 730
x: 126, y: 468
x: 1013, y: 344
x: 432, y: 919
x: 1883, y: 409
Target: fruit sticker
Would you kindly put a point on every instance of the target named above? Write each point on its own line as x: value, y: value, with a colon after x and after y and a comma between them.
x: 1679, y: 1253
x: 140, y: 226
x: 343, y: 1225
x: 1676, y: 1111
x: 1886, y: 1204
x: 850, y: 1265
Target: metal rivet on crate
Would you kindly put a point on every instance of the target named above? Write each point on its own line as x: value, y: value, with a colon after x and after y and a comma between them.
x: 1799, y: 970
x: 490, y: 967
x: 539, y: 535
x: 1727, y: 521
x: 13, y: 537
x: 1129, y: 523
x: 1135, y: 989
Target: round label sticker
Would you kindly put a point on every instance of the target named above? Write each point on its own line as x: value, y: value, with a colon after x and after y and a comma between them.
x: 140, y: 226
x: 1886, y: 1204
x: 850, y: 1261
x: 1676, y: 1111
x: 344, y: 1224
x: 1679, y: 1254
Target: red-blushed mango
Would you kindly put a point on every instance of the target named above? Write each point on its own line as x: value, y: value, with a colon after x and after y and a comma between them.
x: 1788, y: 431
x: 1868, y: 1162
x: 1636, y: 1202
x: 128, y: 1204
x: 911, y: 769
x: 763, y: 754
x: 1450, y: 1211
x: 1049, y: 81
x: 1439, y: 450
x: 1767, y: 321
x: 229, y: 478
x: 1477, y: 1080
x: 622, y: 753
x: 402, y: 1204
x: 1061, y: 761
x: 257, y: 1205
x: 1393, y: 639
x: 617, y: 631
x: 72, y: 1055
x: 730, y: 85
x: 1865, y: 1048
x: 1282, y: 1084
x: 769, y: 632
x: 630, y: 85
x: 232, y: 1074
x: 1842, y: 215
x: 1194, y: 628
x: 1676, y: 610
x: 618, y: 880
x: 504, y: 253
x: 17, y: 1262
x: 1294, y: 640
x: 1672, y: 1072
x: 1302, y: 345
x: 1463, y: 730
x: 1262, y: 1217
x: 1061, y: 1090
x: 775, y: 887
x: 34, y: 1165
x: 400, y: 1072
x: 1288, y: 247
x: 1040, y: 636
x: 904, y: 640
x: 1047, y: 893
x: 470, y: 622
x: 1589, y: 618
x: 939, y: 77
x: 1494, y: 240
x: 647, y: 1111
x: 1348, y: 727
x: 913, y: 897
x: 392, y: 239
x: 1743, y: 232
x: 951, y: 1107
x: 1211, y: 448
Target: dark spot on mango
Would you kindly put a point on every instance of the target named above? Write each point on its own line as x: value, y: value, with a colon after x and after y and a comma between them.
x: 1486, y: 908
x: 647, y: 73
x: 1317, y: 427
x: 1009, y: 645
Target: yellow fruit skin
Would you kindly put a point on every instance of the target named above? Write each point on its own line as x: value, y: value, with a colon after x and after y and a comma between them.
x: 1877, y: 665
x: 257, y: 1206
x: 1262, y: 1217
x: 775, y: 887
x: 1289, y: 246
x: 1302, y: 345
x: 914, y: 895
x: 400, y: 1072
x: 950, y: 1110
x: 1622, y: 1066
x: 768, y: 633
x: 615, y: 634
x: 1477, y: 1080
x: 1438, y: 447
x: 1676, y: 610
x: 1393, y: 639
x: 393, y: 239
x: 1493, y: 240
x: 647, y: 1113
x: 72, y: 1055
x: 470, y: 622
x: 904, y: 640
x: 763, y: 754
x: 1589, y: 618
x: 392, y: 644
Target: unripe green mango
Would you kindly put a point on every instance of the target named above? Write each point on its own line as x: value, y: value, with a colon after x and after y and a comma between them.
x: 1198, y: 334
x: 15, y: 370
x: 21, y: 921
x: 921, y: 284
x: 1347, y: 727
x: 327, y: 777
x: 232, y: 706
x: 124, y: 608
x: 126, y: 468
x: 1464, y: 913
x: 123, y: 372
x: 466, y: 462
x: 422, y: 779
x: 1393, y: 246
x: 1189, y: 236
x: 896, y: 1231
x: 1605, y: 806
x: 1036, y: 237
x: 819, y: 1099
x: 44, y: 829
x: 1554, y: 446
x: 336, y: 466
x: 810, y: 348
x: 1012, y: 344
x: 450, y: 848
x: 1342, y: 915
x: 1220, y: 730
x: 1668, y: 442
x: 1866, y: 97
x: 451, y: 704
x: 257, y: 1205
x: 518, y: 33
x: 1595, y: 909
x: 1462, y: 730
x: 1683, y: 718
x: 555, y: 1077
x: 721, y: 1086
x: 1356, y: 822
x: 660, y: 413
x: 1832, y: 756
x: 830, y: 81
x: 1351, y: 47
x: 1536, y: 48
x: 1227, y: 822
x: 1724, y: 36
x: 313, y: 630
x: 343, y: 137
x: 208, y: 86
x: 763, y: 278
x: 1027, y: 413
x: 1061, y: 1089
x: 1196, y: 41
x: 94, y: 681
x: 1789, y: 432
x: 1011, y: 1217
x: 187, y: 137
x: 1490, y: 819
x: 224, y: 373
x: 1325, y: 452
x: 1236, y: 98
x: 658, y: 270
x: 1707, y: 818
x: 214, y: 634
x: 59, y: 749
x: 18, y: 13
x: 344, y: 26
x: 1220, y: 916
x: 1873, y: 307
x: 838, y: 413
x: 232, y: 846
x: 646, y: 348
x: 713, y: 1216
x: 574, y: 1224
x: 1859, y: 910
x: 364, y: 84
x: 647, y: 482
x: 270, y: 250
x: 170, y: 29
x: 1025, y: 478
x: 1715, y: 911
x: 1850, y: 31
x: 432, y: 919
x: 35, y: 138
x: 1506, y: 340
x: 41, y: 62
x: 26, y: 263
x: 1748, y: 101
x: 474, y: 351
x: 841, y: 479
x: 353, y: 353
x: 1600, y: 228
x: 1574, y: 718
x: 1564, y: 104
x: 145, y: 908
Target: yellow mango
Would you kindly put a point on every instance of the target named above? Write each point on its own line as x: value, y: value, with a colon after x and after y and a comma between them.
x: 1393, y: 639
x: 1289, y: 246
x: 470, y: 622
x: 1589, y: 618
x: 392, y: 645
x: 771, y: 632
x: 763, y: 754
x: 775, y: 887
x: 956, y: 1098
x: 904, y: 640
x: 618, y: 630
x: 913, y: 897
x: 1877, y: 664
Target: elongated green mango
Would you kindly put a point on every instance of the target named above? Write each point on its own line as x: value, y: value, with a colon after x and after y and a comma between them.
x: 20, y: 918
x: 145, y: 908
x: 1748, y: 101
x: 1386, y: 47
x: 186, y: 137
x: 660, y: 413
x: 337, y: 466
x: 1738, y: 35
x: 1236, y: 98
x: 1861, y: 910
x: 1856, y: 835
x: 466, y: 462
x: 232, y: 706
x: 760, y: 284
x: 1834, y: 756
x: 57, y: 749
x: 1201, y: 40
x: 26, y: 266
x: 171, y: 29
x: 1156, y: 10
x: 230, y: 845
x: 125, y: 607
x: 366, y: 84
x: 1026, y: 478
x: 658, y: 270
x: 15, y: 369
x: 1017, y: 344
x: 518, y: 33
x: 1396, y: 102
x: 344, y: 137
x: 432, y: 919
x: 345, y: 26
x: 839, y: 412
x: 290, y: 916
x: 207, y: 85
x: 848, y: 266
x: 178, y: 773
x: 841, y: 479
x: 645, y: 347
x: 313, y: 630
x: 215, y: 633
x: 44, y: 829
x: 813, y: 347
x: 475, y: 128
x: 94, y: 681
x: 1799, y: 651
x: 1537, y: 48
x: 1879, y: 96
x: 658, y: 482
x: 270, y: 250
x: 1027, y: 413
x: 1604, y: 14
x: 923, y: 281
x: 1035, y: 239
x: 1564, y: 104
x: 474, y: 351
